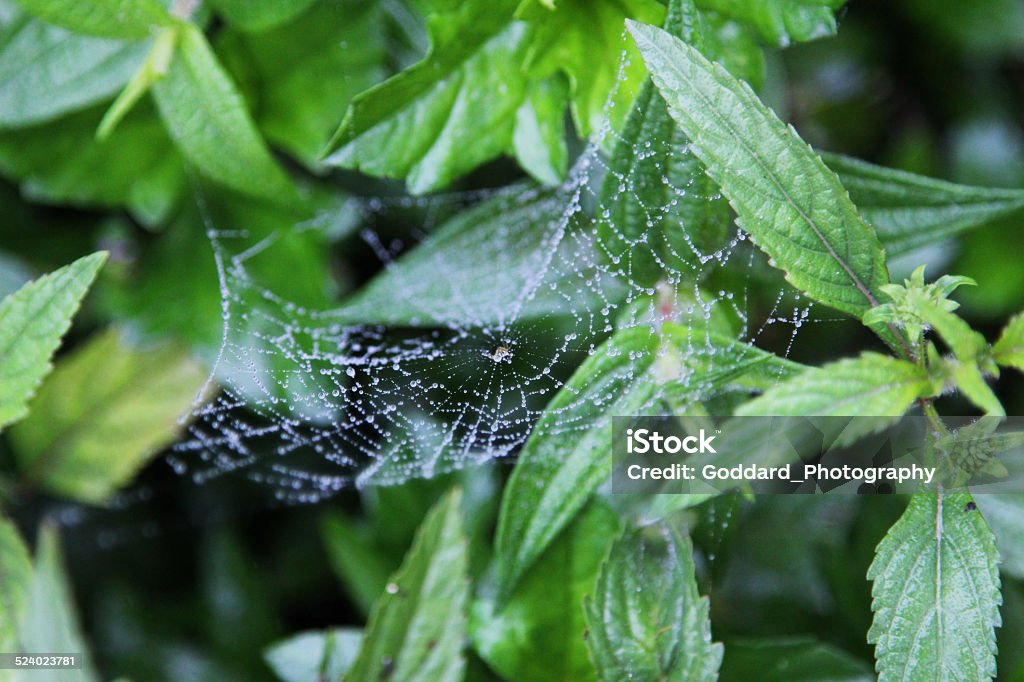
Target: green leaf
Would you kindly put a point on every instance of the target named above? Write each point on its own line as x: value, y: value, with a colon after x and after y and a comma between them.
x: 646, y: 619
x: 107, y: 18
x: 1009, y: 349
x: 489, y: 79
x: 15, y: 576
x: 910, y: 211
x: 785, y: 197
x: 289, y: 64
x: 417, y: 628
x: 936, y: 593
x: 104, y: 412
x: 362, y: 569
x: 782, y: 22
x: 559, y: 468
x: 503, y: 242
x: 153, y: 68
x: 49, y: 623
x: 259, y: 15
x: 791, y: 661
x: 1004, y: 514
x: 63, y: 163
x: 537, y: 633
x: 646, y: 220
x: 584, y: 40
x: 314, y: 656
x: 872, y: 385
x: 32, y: 322
x: 207, y: 119
x: 46, y: 72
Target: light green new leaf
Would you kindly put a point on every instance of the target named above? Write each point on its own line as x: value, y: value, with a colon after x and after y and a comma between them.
x: 537, y: 633
x: 872, y: 385
x: 782, y: 22
x: 936, y: 593
x: 15, y: 576
x: 46, y: 71
x: 314, y: 656
x: 787, y: 199
x: 49, y: 623
x: 909, y: 211
x: 101, y: 415
x: 646, y: 619
x: 107, y: 18
x: 259, y: 15
x: 32, y: 322
x: 207, y: 119
x: 646, y: 220
x: 153, y: 68
x: 307, y: 71
x: 417, y: 629
x: 1009, y: 349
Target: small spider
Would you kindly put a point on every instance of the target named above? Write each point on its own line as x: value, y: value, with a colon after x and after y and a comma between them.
x: 502, y: 353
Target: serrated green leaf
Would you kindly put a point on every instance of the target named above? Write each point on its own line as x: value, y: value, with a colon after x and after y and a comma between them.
x: 936, y: 593
x: 15, y: 576
x: 785, y: 197
x: 107, y: 18
x: 646, y: 221
x: 537, y: 633
x: 46, y: 71
x: 62, y: 162
x: 207, y: 119
x: 504, y: 243
x: 314, y: 656
x: 259, y: 15
x: 103, y: 413
x: 871, y: 385
x: 49, y: 623
x: 1009, y: 349
x: 646, y: 619
x: 791, y: 660
x: 417, y: 628
x: 32, y: 322
x: 910, y: 211
x: 782, y: 22
x: 340, y: 43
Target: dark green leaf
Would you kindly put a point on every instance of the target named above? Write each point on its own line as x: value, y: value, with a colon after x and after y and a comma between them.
x: 646, y: 620
x: 108, y: 18
x: 936, y: 593
x: 791, y: 661
x: 32, y: 322
x: 314, y: 656
x: 417, y: 628
x: 103, y: 413
x: 786, y: 198
x: 782, y: 22
x: 46, y: 71
x: 362, y: 569
x: 207, y: 119
x: 909, y: 211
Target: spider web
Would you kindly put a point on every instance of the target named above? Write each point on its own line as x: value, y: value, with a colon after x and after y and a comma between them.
x: 450, y: 354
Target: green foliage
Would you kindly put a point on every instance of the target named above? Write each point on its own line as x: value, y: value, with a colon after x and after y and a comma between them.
x: 110, y: 18
x: 791, y: 660
x: 784, y: 195
x: 15, y: 576
x: 415, y: 630
x: 1009, y: 349
x: 646, y: 618
x: 936, y: 592
x: 781, y: 22
x: 258, y: 16
x: 32, y: 322
x: 314, y: 656
x: 102, y: 414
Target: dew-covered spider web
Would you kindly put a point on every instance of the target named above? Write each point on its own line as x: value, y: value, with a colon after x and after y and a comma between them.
x: 482, y: 306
